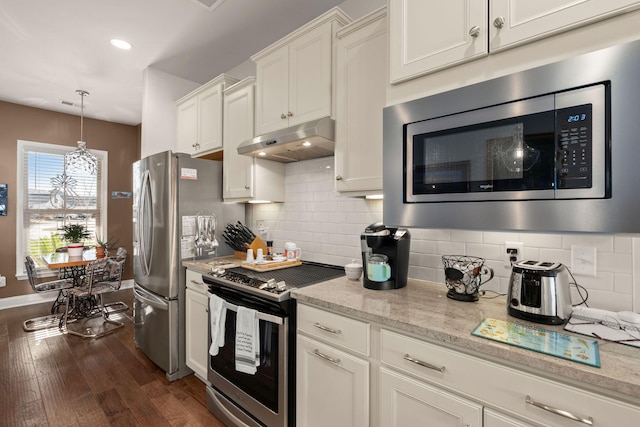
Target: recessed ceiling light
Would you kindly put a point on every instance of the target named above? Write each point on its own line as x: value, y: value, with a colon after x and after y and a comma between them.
x: 121, y: 44
x: 306, y: 144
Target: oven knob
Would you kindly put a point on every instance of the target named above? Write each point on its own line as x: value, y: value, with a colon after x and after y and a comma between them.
x: 270, y: 284
x: 281, y: 286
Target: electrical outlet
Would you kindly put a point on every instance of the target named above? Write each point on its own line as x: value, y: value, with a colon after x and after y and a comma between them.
x: 583, y: 260
x: 3, y: 281
x: 512, y: 253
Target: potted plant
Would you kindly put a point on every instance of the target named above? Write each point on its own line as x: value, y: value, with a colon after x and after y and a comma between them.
x: 103, y: 246
x: 74, y: 235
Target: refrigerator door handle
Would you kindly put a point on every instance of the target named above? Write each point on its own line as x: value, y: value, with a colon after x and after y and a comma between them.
x: 143, y: 227
x: 151, y: 300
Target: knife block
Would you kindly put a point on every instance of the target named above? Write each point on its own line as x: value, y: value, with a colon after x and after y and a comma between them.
x: 257, y: 243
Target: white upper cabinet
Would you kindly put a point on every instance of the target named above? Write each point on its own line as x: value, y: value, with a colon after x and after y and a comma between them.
x: 361, y: 76
x: 200, y: 117
x: 513, y: 22
x: 246, y: 178
x: 294, y: 75
x: 429, y: 35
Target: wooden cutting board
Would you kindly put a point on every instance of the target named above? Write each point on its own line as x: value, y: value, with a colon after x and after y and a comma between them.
x: 271, y: 265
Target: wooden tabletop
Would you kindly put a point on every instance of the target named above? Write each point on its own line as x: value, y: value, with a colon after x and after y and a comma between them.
x: 62, y: 259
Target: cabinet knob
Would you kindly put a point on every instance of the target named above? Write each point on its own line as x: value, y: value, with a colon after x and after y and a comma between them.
x: 338, y: 177
x: 246, y: 187
x: 290, y: 114
x: 474, y: 31
x: 498, y: 22
x: 283, y: 116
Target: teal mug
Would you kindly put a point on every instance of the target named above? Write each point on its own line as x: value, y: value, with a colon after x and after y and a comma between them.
x: 378, y: 268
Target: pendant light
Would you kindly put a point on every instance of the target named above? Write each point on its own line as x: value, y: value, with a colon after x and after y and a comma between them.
x: 81, y: 161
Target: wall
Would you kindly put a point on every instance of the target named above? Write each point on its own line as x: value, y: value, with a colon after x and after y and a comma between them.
x: 159, y: 93
x: 33, y: 124
x: 327, y: 227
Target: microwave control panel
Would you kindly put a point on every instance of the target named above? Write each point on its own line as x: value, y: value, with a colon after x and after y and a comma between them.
x: 575, y: 147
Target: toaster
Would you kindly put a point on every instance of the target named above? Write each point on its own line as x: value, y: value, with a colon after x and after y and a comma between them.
x: 539, y: 292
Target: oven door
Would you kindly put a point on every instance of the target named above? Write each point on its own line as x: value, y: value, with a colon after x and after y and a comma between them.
x: 263, y: 396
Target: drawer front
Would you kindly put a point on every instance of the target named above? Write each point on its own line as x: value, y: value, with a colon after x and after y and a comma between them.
x: 513, y: 391
x: 194, y: 281
x: 334, y: 329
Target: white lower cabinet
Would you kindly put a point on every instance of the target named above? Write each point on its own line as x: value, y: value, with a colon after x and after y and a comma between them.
x: 405, y: 402
x: 343, y: 363
x: 332, y: 386
x: 497, y: 419
x: 196, y: 324
x: 332, y: 370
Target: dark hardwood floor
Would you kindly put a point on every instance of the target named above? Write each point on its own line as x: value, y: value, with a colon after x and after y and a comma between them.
x: 50, y: 379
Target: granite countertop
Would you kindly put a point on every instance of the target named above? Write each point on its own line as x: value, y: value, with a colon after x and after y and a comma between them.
x: 422, y: 308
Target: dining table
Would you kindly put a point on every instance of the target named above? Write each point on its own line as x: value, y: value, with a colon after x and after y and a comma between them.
x: 69, y: 267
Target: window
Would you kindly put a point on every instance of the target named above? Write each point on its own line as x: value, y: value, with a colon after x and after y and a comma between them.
x: 48, y: 198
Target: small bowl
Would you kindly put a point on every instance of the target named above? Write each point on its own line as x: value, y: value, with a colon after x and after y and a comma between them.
x: 353, y: 271
x: 279, y: 258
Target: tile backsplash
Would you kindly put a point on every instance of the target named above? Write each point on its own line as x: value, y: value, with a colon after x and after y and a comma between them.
x: 327, y: 227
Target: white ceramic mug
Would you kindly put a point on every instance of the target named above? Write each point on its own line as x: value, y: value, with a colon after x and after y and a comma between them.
x: 291, y: 252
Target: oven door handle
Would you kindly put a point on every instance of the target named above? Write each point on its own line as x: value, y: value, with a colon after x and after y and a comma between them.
x: 262, y: 316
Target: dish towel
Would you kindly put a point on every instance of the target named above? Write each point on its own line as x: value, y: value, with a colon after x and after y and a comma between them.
x: 218, y: 317
x: 247, y: 341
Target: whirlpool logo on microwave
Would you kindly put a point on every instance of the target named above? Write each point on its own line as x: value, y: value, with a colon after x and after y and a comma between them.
x: 486, y: 186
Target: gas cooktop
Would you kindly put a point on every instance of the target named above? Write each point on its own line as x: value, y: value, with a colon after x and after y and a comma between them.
x: 273, y: 285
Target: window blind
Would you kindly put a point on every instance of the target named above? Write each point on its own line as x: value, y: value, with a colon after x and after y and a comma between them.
x: 53, y: 198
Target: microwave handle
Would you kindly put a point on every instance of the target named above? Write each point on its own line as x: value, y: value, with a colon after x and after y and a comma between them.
x: 262, y: 316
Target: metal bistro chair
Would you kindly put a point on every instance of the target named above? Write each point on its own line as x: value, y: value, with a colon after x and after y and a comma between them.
x: 86, y: 301
x: 59, y: 286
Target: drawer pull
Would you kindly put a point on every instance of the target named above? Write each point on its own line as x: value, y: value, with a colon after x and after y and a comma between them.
x: 195, y: 282
x: 325, y: 357
x: 588, y: 421
x: 327, y: 329
x: 421, y: 363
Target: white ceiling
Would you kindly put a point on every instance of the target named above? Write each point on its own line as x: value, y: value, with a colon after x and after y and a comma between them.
x: 50, y: 48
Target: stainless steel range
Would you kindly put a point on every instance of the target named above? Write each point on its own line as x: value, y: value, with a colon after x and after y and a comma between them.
x: 266, y: 398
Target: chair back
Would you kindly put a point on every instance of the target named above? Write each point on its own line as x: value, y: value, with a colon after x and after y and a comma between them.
x: 30, y: 266
x: 106, y: 270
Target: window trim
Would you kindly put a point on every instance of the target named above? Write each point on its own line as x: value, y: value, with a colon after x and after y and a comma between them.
x: 102, y: 155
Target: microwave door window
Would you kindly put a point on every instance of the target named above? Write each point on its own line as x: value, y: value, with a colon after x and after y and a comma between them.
x: 514, y: 154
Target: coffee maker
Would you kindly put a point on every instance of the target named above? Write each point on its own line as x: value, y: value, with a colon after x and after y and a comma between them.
x: 385, y: 256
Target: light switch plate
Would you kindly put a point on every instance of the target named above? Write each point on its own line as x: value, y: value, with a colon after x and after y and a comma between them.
x: 583, y: 260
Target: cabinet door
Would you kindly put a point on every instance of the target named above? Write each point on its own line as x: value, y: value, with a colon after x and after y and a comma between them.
x: 310, y: 76
x: 360, y: 91
x: 272, y: 91
x: 496, y: 419
x: 524, y: 21
x: 210, y: 119
x: 428, y: 35
x: 196, y: 331
x: 332, y: 386
x: 237, y: 169
x: 405, y: 402
x: 188, y: 125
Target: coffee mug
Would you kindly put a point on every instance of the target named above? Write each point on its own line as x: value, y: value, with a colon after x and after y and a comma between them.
x: 291, y: 252
x: 378, y: 269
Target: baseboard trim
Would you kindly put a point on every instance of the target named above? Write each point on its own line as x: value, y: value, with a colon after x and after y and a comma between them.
x: 22, y: 300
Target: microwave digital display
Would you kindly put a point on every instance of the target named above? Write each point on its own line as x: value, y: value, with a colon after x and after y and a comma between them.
x: 540, y: 148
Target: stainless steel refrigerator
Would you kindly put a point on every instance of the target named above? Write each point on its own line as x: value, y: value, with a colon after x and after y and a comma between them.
x: 171, y: 191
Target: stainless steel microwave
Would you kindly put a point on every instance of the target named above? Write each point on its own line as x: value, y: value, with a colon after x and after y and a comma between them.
x: 551, y: 148
x: 545, y: 147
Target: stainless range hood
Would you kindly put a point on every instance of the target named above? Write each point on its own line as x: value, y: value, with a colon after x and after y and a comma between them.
x: 309, y: 140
